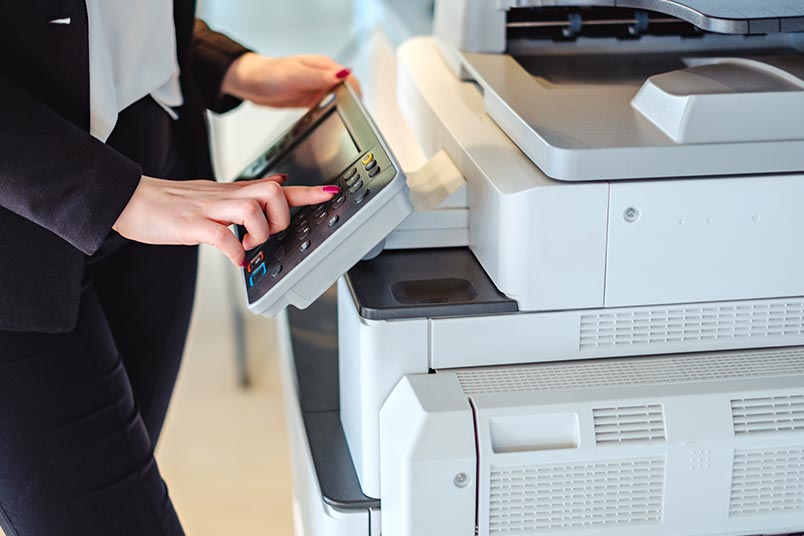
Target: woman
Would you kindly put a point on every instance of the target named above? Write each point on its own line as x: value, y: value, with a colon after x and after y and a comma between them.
x: 101, y: 121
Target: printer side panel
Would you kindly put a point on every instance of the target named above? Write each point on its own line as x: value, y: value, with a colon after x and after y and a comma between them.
x: 705, y: 240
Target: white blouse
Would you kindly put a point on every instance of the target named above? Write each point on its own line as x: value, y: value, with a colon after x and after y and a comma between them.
x: 132, y: 53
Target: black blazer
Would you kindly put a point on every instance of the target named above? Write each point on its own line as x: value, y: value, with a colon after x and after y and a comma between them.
x: 61, y: 190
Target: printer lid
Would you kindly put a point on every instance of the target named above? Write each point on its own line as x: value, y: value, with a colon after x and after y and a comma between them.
x: 639, y: 89
x: 721, y: 16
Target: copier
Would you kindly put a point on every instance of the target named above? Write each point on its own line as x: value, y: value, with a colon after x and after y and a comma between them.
x: 592, y: 323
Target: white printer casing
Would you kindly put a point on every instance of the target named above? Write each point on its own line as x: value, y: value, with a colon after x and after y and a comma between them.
x: 651, y: 379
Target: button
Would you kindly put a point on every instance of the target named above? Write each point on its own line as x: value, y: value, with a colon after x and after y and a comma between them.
x: 260, y: 271
x: 350, y: 182
x: 258, y: 258
x: 326, y: 101
x: 356, y: 186
x: 349, y: 174
x: 319, y: 209
x: 279, y: 254
x: 371, y: 165
x: 338, y: 201
x: 301, y: 225
x: 320, y: 217
x: 305, y: 246
x: 333, y: 221
x: 368, y: 158
x: 275, y: 269
x: 374, y: 171
x: 303, y: 231
x: 363, y: 194
x: 281, y: 234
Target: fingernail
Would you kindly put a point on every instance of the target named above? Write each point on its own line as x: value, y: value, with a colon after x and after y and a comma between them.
x: 343, y: 74
x: 282, y: 176
x: 243, y: 264
x: 331, y: 189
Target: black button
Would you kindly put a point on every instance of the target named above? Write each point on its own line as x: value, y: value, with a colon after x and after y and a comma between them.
x: 275, y: 269
x: 339, y: 199
x: 361, y: 196
x: 371, y: 165
x: 319, y: 209
x: 349, y: 174
x: 333, y: 221
x: 303, y: 231
x: 281, y: 235
x: 356, y: 186
x: 258, y: 258
x: 279, y: 254
x: 305, y: 246
x: 350, y: 182
x: 374, y: 171
x: 320, y: 217
x: 302, y: 224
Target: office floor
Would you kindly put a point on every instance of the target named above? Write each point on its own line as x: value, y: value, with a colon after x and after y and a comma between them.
x: 224, y: 449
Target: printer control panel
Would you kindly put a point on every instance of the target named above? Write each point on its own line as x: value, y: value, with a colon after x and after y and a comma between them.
x: 334, y: 143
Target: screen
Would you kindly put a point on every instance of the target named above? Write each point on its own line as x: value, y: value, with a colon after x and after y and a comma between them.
x: 326, y: 150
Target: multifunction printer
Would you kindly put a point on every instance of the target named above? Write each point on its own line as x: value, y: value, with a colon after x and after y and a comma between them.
x: 588, y: 314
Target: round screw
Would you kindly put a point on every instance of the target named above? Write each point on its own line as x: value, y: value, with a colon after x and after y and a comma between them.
x: 461, y: 480
x: 631, y: 214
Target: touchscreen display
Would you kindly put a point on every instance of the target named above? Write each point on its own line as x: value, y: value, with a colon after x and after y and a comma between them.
x: 325, y: 151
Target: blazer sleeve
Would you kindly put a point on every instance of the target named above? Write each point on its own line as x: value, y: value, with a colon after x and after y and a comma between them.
x: 212, y: 53
x: 56, y: 174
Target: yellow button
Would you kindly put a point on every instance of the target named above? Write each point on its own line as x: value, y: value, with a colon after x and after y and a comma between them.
x: 368, y: 158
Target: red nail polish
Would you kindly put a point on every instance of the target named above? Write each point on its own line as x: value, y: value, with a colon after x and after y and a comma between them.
x: 331, y: 189
x: 243, y: 264
x: 343, y: 74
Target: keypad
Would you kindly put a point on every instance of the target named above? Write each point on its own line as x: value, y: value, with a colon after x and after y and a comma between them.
x: 310, y: 226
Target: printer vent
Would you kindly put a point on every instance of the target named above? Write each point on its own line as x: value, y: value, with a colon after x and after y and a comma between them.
x: 768, y: 414
x: 534, y: 498
x: 678, y: 325
x: 651, y: 370
x: 629, y: 424
x: 767, y: 481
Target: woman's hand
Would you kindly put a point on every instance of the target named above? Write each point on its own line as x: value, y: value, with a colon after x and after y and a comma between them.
x: 199, y: 212
x: 291, y: 82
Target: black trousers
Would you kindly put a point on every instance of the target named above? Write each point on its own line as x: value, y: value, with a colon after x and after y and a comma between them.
x: 80, y: 412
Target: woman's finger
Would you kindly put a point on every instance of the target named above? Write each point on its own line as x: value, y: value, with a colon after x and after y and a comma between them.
x: 272, y: 200
x: 220, y: 237
x: 278, y: 178
x: 312, y: 78
x: 246, y: 212
x: 319, y: 61
x: 299, y: 196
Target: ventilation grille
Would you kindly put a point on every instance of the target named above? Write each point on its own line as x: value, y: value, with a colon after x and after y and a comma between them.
x: 767, y: 415
x: 653, y: 370
x: 767, y: 482
x: 687, y: 324
x: 629, y: 424
x: 530, y: 499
